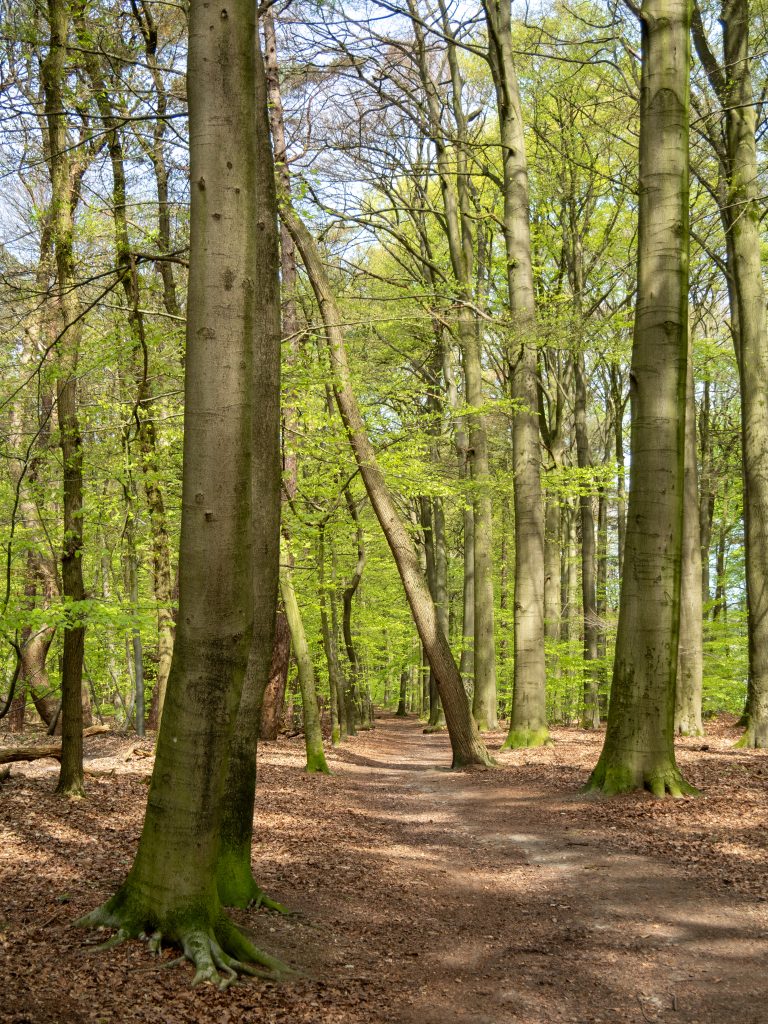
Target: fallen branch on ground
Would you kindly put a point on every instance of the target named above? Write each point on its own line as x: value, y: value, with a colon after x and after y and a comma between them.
x: 12, y: 754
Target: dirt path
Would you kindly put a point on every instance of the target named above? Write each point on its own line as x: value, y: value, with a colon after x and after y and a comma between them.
x: 423, y: 897
x: 485, y: 906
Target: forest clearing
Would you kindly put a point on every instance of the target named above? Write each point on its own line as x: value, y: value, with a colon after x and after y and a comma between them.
x: 421, y: 896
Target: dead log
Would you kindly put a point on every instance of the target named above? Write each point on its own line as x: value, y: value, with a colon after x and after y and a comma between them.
x: 12, y: 754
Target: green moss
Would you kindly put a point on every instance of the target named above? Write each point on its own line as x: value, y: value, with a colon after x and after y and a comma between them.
x: 316, y: 762
x: 664, y: 780
x: 520, y: 739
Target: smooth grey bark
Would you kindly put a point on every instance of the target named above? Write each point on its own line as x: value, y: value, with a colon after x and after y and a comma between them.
x: 690, y: 663
x: 171, y: 891
x: 528, y: 724
x: 639, y: 744
x: 234, y: 874
x: 466, y: 743
x: 741, y: 213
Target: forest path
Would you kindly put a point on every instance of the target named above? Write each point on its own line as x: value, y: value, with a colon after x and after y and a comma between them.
x: 460, y: 897
x: 423, y: 896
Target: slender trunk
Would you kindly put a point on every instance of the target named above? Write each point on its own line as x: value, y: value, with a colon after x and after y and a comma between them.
x: 274, y: 694
x: 690, y: 652
x: 402, y: 710
x: 528, y: 725
x: 590, y: 716
x: 54, y: 74
x: 336, y: 682
x: 313, y: 737
x: 466, y: 743
x: 639, y: 747
x: 706, y: 496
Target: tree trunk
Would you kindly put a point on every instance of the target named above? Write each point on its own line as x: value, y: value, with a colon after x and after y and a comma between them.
x: 63, y: 201
x: 590, y: 716
x: 690, y: 652
x: 313, y: 736
x: 528, y: 724
x: 402, y: 710
x: 226, y: 346
x: 639, y: 748
x: 274, y: 695
x: 742, y: 217
x: 467, y: 746
x: 337, y: 684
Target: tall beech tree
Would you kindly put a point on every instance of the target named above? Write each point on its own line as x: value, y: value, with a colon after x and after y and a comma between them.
x: 639, y: 745
x: 171, y: 890
x: 740, y: 210
x: 528, y: 725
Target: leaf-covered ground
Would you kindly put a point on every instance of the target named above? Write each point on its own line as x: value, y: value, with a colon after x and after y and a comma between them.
x: 422, y: 896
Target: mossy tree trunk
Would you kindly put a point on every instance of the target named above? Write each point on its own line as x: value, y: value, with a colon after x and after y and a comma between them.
x: 313, y: 736
x: 639, y: 748
x: 171, y: 891
x: 65, y: 181
x: 234, y: 874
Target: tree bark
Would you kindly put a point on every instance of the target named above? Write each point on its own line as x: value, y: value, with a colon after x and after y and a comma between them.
x: 742, y: 211
x: 215, y: 635
x: 690, y: 658
x: 528, y: 724
x: 274, y: 695
x: 467, y: 746
x: 313, y: 737
x: 639, y: 748
x: 63, y: 200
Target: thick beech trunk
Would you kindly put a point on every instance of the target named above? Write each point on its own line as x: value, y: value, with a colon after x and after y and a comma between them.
x: 467, y: 746
x: 171, y: 890
x: 639, y: 750
x: 236, y: 884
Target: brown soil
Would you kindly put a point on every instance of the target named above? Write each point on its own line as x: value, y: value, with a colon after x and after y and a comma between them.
x: 422, y: 895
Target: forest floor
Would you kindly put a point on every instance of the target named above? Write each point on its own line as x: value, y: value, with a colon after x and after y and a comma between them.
x: 421, y: 896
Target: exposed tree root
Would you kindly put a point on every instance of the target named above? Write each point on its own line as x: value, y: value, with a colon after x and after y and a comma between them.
x: 219, y: 950
x: 660, y: 782
x: 429, y: 729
